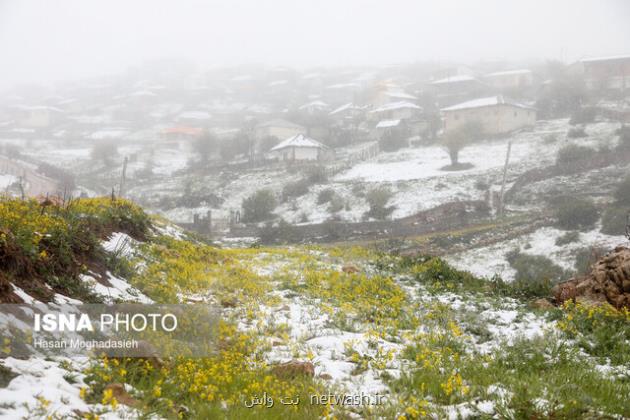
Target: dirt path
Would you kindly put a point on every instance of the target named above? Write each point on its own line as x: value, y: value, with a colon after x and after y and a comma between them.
x: 34, y: 183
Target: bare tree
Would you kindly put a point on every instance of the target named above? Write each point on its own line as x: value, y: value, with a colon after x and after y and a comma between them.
x: 205, y: 145
x: 455, y: 140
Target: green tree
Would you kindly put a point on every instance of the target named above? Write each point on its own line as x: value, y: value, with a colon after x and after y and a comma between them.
x: 205, y: 145
x: 259, y: 206
x: 104, y: 151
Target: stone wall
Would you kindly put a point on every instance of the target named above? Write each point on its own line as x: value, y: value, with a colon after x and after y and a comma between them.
x: 444, y: 217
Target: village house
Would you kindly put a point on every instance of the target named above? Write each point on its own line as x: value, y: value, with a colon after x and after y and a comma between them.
x: 278, y: 128
x: 347, y: 113
x: 453, y: 89
x: 181, y: 132
x: 37, y: 116
x: 402, y: 110
x: 390, y: 93
x: 314, y: 107
x: 341, y: 92
x: 390, y: 128
x: 300, y: 147
x: 194, y: 118
x: 510, y: 80
x: 496, y: 114
x: 605, y: 73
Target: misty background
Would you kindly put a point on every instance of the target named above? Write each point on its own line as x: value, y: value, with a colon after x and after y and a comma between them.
x: 44, y: 41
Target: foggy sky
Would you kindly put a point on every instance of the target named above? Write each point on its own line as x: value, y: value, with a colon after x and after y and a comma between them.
x: 46, y: 40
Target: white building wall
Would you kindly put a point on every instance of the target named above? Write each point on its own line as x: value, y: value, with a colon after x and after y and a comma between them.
x: 495, y: 119
x: 295, y: 153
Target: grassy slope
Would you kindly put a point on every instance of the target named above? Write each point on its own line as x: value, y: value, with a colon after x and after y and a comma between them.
x: 437, y: 340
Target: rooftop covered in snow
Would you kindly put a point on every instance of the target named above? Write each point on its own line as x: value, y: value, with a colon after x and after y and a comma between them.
x: 454, y: 79
x: 396, y: 105
x: 486, y: 102
x: 508, y: 73
x: 315, y: 104
x: 345, y: 107
x: 607, y: 58
x: 387, y: 123
x: 299, y: 140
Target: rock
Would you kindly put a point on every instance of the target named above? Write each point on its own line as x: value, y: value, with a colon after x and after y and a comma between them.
x: 609, y: 281
x: 121, y: 395
x: 326, y: 376
x: 542, y: 303
x: 229, y: 302
x: 350, y: 269
x: 294, y: 369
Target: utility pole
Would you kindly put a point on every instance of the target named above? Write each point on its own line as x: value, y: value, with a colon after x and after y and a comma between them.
x: 122, y: 178
x: 507, y: 160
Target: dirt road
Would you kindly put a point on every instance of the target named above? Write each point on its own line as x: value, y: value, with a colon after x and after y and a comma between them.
x: 34, y: 183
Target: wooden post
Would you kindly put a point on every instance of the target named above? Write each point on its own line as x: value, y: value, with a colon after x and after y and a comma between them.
x: 122, y: 178
x: 507, y: 160
x: 21, y: 186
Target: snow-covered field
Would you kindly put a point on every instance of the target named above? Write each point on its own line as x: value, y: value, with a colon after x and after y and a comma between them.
x: 6, y: 180
x: 413, y: 175
x: 491, y: 260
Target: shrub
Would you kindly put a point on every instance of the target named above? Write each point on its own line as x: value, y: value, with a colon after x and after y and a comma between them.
x: 481, y: 185
x: 393, y: 140
x: 316, y: 175
x: 583, y: 116
x: 358, y: 190
x: 336, y: 204
x: 576, y: 213
x: 51, y: 243
x: 325, y: 196
x: 622, y: 192
x: 567, y: 238
x: 624, y: 138
x: 258, y: 206
x: 573, y: 153
x: 614, y: 221
x: 576, y: 132
x: 295, y: 189
x: 12, y: 151
x: 550, y: 139
x: 104, y: 151
x: 378, y: 198
x: 535, y: 274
